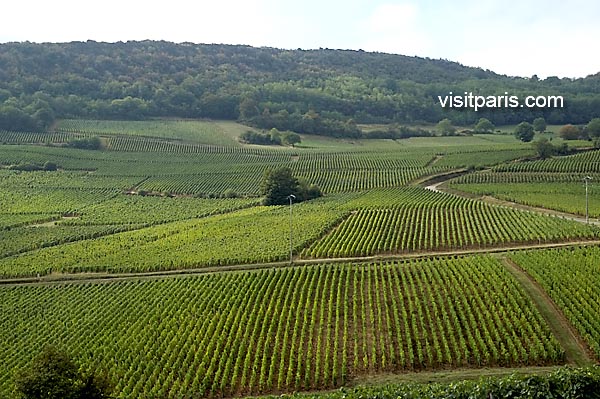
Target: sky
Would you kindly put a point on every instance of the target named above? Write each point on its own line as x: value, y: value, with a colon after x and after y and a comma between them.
x: 515, y: 38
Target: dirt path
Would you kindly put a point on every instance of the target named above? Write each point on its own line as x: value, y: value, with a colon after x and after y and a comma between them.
x: 434, y: 187
x: 576, y: 350
x: 79, y: 277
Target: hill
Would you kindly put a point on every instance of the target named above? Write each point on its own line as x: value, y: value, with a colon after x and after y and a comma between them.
x: 316, y: 91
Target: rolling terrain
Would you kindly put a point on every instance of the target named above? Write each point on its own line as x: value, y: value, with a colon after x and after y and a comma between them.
x: 153, y: 258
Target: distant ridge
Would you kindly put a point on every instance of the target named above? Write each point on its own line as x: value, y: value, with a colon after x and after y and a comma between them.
x: 335, y: 89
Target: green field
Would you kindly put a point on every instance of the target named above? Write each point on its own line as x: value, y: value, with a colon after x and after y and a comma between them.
x: 570, y: 277
x: 389, y: 279
x: 301, y: 328
x: 555, y: 183
x: 202, y: 132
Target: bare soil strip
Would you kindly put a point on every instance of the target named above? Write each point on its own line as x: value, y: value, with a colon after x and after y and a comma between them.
x: 576, y: 349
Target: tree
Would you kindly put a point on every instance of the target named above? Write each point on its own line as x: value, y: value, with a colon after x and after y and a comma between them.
x: 484, y: 126
x: 50, y: 166
x: 275, y: 136
x: 307, y: 191
x: 290, y: 138
x: 524, y: 132
x: 13, y: 118
x: 445, y: 127
x: 539, y: 125
x: 89, y: 143
x: 248, y: 108
x: 278, y: 184
x: 569, y: 132
x: 544, y: 148
x: 270, y: 138
x: 54, y: 374
x: 593, y: 127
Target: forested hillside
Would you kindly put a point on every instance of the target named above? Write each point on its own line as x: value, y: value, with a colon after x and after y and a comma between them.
x: 315, y: 91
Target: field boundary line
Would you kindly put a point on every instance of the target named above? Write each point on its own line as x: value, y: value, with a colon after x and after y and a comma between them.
x: 83, y: 277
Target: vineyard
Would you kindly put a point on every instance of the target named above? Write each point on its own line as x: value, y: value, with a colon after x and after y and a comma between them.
x: 251, y: 235
x: 204, y: 132
x: 221, y: 312
x: 443, y: 223
x: 571, y: 277
x: 586, y: 162
x: 309, y: 327
x: 556, y: 183
x: 565, y: 197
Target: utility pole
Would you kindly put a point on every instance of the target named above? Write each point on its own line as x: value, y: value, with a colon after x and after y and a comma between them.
x: 587, y: 201
x: 291, y: 197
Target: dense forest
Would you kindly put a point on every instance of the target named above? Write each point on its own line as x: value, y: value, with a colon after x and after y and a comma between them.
x: 310, y: 91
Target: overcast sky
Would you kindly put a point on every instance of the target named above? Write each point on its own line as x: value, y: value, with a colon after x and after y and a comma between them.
x: 520, y: 38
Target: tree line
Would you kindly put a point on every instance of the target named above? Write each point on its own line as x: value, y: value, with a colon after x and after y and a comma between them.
x: 315, y: 91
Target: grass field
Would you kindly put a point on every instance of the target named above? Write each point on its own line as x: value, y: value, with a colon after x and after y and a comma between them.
x: 203, y: 132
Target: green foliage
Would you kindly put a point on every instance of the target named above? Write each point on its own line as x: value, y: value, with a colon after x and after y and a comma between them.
x: 32, y: 166
x: 26, y: 167
x: 290, y: 138
x: 593, y: 127
x: 262, y: 86
x: 445, y: 127
x: 539, y: 125
x: 18, y: 118
x: 91, y: 143
x: 397, y: 132
x: 310, y: 122
x: 54, y: 375
x: 524, y: 132
x: 570, y: 276
x: 484, y: 126
x: 279, y: 184
x: 280, y: 330
x: 545, y: 149
x: 252, y: 137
